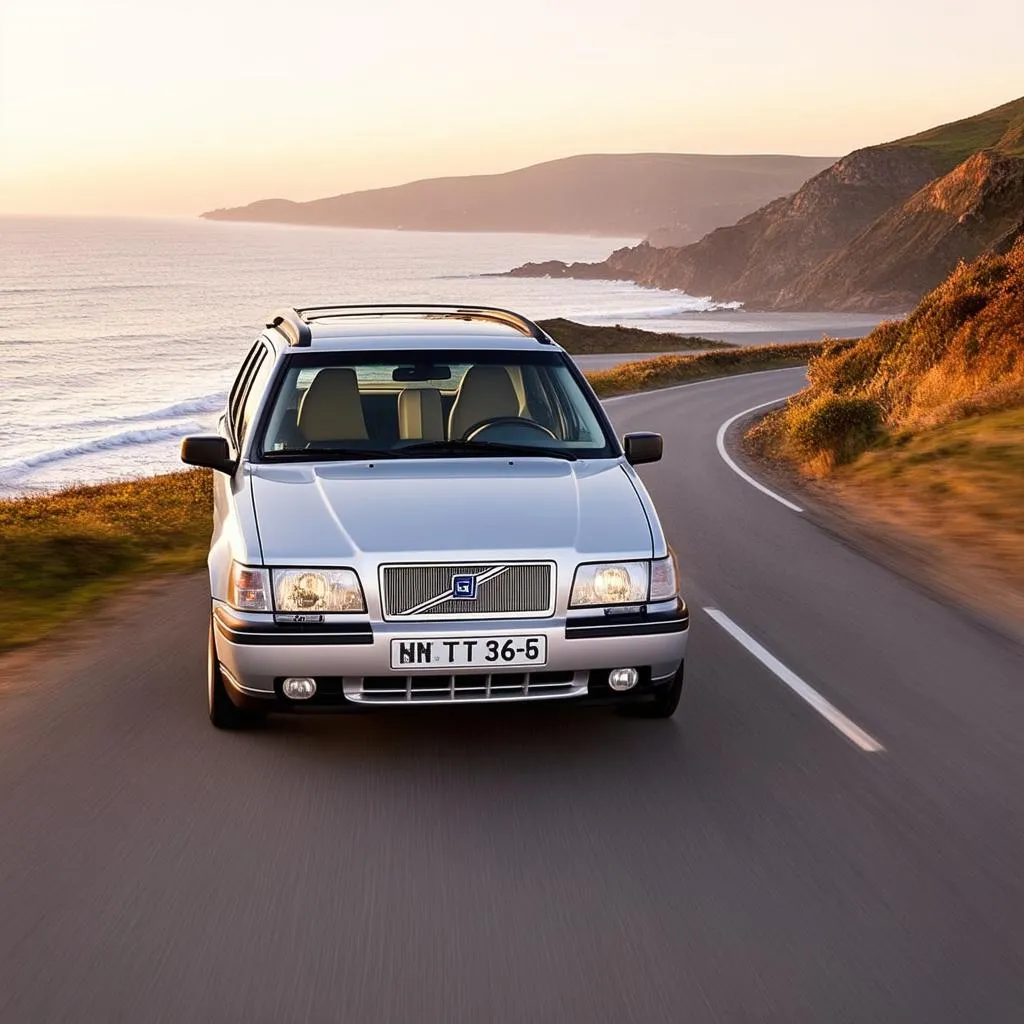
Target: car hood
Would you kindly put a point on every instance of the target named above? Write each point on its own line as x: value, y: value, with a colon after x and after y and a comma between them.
x: 334, y: 513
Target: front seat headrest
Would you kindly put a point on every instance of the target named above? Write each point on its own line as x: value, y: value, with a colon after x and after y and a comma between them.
x: 420, y: 415
x: 485, y: 392
x: 331, y: 409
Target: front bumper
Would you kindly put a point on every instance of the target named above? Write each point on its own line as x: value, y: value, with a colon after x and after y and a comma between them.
x: 351, y: 660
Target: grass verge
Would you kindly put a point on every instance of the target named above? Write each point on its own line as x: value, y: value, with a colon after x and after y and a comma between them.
x: 664, y: 371
x: 62, y: 552
x: 585, y: 339
x: 960, y: 484
x: 947, y: 502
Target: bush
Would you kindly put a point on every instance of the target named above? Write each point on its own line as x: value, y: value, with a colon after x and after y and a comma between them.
x: 959, y: 353
x: 832, y: 429
x: 848, y: 366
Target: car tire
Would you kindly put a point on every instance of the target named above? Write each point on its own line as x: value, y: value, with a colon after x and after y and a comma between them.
x: 223, y: 713
x: 662, y: 705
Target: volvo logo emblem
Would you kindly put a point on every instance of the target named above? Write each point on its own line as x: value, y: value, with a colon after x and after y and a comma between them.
x: 464, y: 588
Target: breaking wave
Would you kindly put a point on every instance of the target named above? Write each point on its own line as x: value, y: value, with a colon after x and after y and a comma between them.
x: 12, y: 471
x: 685, y: 307
x: 186, y: 407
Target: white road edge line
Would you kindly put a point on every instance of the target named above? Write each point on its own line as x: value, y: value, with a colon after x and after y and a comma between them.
x: 727, y: 458
x: 831, y: 714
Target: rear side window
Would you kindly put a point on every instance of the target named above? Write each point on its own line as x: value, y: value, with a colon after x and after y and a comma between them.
x: 260, y: 377
x: 237, y: 395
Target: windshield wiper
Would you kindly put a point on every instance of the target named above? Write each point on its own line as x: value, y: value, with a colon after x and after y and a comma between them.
x: 330, y: 453
x: 483, y: 447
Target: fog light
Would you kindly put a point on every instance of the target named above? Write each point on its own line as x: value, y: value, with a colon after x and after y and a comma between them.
x: 299, y: 689
x: 620, y: 679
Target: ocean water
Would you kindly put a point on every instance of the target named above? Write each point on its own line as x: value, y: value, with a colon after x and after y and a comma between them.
x: 118, y: 337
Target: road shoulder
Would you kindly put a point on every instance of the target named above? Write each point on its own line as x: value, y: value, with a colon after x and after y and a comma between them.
x: 67, y: 651
x: 932, y: 563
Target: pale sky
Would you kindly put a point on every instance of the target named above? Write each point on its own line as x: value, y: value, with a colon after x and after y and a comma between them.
x: 110, y: 106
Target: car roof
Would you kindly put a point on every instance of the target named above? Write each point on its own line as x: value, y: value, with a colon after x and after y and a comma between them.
x: 426, y: 327
x: 412, y: 332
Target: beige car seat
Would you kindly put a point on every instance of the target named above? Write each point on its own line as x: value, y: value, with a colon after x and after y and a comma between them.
x: 420, y: 415
x: 330, y: 409
x: 485, y: 392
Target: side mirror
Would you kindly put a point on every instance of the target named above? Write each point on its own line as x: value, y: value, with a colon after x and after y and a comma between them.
x: 208, y: 450
x: 642, y: 447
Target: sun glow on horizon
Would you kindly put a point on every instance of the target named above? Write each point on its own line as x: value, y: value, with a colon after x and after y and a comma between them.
x: 113, y: 107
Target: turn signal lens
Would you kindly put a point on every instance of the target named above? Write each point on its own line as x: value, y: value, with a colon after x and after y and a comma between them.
x: 610, y: 583
x: 248, y: 589
x: 664, y: 578
x: 317, y: 590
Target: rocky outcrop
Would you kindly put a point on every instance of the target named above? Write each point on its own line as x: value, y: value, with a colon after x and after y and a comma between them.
x: 978, y: 207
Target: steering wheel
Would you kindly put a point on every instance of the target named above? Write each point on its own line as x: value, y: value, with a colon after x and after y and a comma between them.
x: 516, y: 423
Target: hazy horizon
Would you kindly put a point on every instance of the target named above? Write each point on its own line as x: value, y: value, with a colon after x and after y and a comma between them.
x: 106, y: 108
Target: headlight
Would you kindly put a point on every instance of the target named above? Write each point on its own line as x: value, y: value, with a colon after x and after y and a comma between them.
x: 664, y: 578
x: 610, y: 583
x: 317, y: 590
x: 613, y: 583
x: 248, y: 589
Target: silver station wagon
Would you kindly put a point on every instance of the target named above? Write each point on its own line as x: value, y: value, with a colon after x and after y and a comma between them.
x: 428, y: 505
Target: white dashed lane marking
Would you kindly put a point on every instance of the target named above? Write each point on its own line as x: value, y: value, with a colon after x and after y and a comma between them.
x: 805, y: 691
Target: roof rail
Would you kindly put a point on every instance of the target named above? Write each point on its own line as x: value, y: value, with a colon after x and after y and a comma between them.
x: 292, y: 325
x: 299, y: 319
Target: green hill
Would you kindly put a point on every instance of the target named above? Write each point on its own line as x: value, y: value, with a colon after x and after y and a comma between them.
x: 1001, y: 128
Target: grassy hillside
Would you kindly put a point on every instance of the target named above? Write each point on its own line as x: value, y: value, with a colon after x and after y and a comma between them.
x: 922, y: 421
x: 960, y: 353
x: 1001, y: 128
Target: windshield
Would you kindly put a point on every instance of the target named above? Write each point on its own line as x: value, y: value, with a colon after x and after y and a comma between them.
x: 423, y: 404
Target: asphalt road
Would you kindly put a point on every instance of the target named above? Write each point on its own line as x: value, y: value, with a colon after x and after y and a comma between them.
x: 746, y: 861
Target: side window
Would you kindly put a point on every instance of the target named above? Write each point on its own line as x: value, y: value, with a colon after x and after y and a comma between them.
x: 238, y: 388
x: 252, y: 399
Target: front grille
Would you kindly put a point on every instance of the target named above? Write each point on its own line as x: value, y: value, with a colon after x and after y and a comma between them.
x: 518, y: 590
x: 441, y: 689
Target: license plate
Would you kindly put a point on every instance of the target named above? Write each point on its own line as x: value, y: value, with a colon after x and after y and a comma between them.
x: 469, y: 652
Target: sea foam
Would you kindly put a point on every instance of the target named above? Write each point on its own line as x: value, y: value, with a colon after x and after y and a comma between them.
x: 13, y: 471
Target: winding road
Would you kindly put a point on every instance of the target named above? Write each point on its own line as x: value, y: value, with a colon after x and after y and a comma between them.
x: 830, y: 830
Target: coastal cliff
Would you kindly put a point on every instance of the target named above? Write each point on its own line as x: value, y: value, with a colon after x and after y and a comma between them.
x: 875, y: 231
